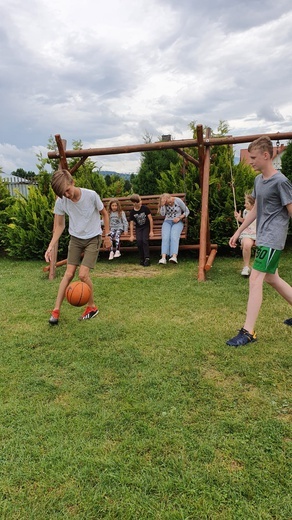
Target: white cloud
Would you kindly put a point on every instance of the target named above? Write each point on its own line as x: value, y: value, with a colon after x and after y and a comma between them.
x: 107, y: 73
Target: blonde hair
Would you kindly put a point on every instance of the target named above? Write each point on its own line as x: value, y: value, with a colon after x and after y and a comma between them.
x: 60, y: 181
x: 263, y: 144
x: 117, y: 202
x: 164, y: 195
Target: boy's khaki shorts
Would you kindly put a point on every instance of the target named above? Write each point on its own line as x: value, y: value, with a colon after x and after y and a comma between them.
x: 88, y: 246
x: 266, y: 259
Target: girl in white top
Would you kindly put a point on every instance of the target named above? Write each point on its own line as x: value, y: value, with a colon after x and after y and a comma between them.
x: 118, y: 224
x: 174, y: 210
x: 248, y: 236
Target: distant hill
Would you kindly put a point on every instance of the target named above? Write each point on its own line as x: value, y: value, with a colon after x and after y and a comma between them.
x: 125, y: 176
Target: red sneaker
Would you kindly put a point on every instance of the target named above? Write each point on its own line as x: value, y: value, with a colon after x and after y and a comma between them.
x: 90, y: 312
x: 54, y: 319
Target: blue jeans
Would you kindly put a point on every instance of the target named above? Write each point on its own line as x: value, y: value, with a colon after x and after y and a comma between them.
x: 170, y: 237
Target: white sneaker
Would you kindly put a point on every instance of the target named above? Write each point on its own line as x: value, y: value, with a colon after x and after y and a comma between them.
x: 117, y: 254
x: 162, y: 261
x: 173, y: 260
x: 245, y: 271
x: 111, y: 255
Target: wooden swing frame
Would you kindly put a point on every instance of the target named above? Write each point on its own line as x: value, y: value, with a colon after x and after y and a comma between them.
x: 207, y: 251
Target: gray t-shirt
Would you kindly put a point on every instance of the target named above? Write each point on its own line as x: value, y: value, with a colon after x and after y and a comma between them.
x: 118, y: 222
x: 272, y: 196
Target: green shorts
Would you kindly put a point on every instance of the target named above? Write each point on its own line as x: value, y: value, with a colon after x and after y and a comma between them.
x: 88, y: 247
x: 266, y: 259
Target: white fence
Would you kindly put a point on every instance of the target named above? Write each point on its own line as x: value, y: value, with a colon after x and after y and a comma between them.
x: 18, y: 185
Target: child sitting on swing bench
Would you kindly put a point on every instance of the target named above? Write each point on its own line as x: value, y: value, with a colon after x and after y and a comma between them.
x: 248, y: 236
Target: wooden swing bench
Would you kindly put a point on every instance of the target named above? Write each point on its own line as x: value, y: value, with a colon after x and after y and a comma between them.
x: 151, y: 201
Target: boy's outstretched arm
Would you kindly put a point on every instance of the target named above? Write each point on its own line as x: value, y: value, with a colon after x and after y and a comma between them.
x: 105, y: 218
x: 151, y: 225
x: 59, y: 226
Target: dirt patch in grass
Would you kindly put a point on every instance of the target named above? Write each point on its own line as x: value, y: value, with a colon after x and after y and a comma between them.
x: 128, y: 272
x: 219, y: 378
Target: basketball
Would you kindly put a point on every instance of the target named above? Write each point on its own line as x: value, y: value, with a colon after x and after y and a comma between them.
x: 78, y: 293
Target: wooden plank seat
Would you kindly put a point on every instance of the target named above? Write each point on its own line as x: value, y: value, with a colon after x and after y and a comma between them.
x: 151, y: 201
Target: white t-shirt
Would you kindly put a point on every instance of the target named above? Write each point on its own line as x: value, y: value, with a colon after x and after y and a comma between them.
x: 84, y: 215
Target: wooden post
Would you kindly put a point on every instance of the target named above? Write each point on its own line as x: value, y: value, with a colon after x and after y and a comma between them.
x: 204, y: 212
x: 188, y: 157
x: 61, y: 143
x: 200, y: 138
x: 210, y: 259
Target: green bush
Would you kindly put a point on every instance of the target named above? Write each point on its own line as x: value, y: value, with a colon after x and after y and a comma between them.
x: 30, y: 226
x: 5, y: 202
x: 221, y: 199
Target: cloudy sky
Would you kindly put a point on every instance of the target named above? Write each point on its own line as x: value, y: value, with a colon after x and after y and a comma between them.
x: 108, y: 72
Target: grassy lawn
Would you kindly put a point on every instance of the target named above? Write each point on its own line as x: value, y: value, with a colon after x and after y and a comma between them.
x: 144, y: 412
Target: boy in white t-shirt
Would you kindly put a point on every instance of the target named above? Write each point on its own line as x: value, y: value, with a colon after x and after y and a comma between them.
x: 83, y: 207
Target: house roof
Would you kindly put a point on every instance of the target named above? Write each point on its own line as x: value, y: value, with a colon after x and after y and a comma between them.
x: 244, y: 155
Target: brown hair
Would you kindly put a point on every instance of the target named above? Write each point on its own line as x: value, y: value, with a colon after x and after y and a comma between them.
x: 60, y: 181
x: 117, y: 202
x: 249, y: 198
x: 135, y: 198
x: 263, y: 144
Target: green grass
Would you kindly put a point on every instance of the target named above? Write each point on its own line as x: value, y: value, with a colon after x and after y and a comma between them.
x: 144, y: 412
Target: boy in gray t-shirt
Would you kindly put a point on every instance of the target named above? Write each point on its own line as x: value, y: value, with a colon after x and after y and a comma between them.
x: 272, y: 209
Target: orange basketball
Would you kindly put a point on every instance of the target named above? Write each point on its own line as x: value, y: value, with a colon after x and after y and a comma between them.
x: 78, y: 293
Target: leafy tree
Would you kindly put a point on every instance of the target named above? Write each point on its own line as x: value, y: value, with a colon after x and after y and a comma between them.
x: 287, y: 170
x: 127, y: 187
x: 108, y: 179
x: 153, y: 164
x: 287, y: 161
x: 87, y: 175
x: 117, y: 186
x: 20, y: 172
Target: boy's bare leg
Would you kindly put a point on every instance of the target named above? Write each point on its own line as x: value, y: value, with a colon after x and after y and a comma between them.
x: 255, y: 299
x: 84, y: 276
x: 282, y: 287
x: 256, y: 294
x: 67, y: 278
x: 247, y: 244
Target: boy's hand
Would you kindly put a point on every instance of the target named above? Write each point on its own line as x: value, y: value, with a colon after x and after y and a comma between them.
x: 151, y: 234
x: 107, y: 242
x: 131, y: 238
x: 233, y: 239
x: 48, y: 254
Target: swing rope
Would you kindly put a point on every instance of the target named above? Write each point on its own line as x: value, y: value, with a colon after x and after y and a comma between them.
x: 233, y: 190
